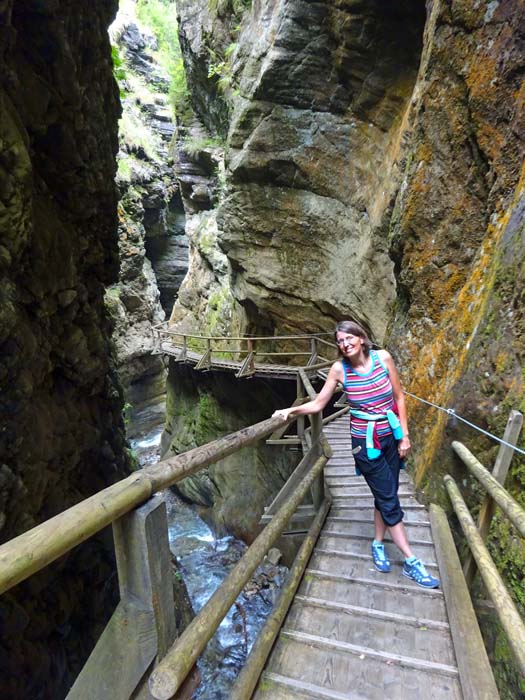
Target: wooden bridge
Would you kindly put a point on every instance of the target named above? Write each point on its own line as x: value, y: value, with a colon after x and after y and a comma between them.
x: 340, y: 630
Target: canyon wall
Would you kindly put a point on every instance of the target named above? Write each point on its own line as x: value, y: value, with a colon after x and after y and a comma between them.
x: 62, y: 434
x: 374, y: 170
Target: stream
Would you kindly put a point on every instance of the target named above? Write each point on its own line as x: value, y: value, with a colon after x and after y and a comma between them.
x: 204, y: 562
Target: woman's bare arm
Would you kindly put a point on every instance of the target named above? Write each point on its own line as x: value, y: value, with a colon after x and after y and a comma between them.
x: 335, y: 376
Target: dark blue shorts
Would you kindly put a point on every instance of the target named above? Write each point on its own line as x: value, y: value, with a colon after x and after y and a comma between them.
x: 382, y: 476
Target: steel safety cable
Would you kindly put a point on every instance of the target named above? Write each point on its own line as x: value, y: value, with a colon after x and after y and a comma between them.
x: 452, y: 412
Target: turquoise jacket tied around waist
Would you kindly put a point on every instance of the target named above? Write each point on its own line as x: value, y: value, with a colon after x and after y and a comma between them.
x: 372, y: 452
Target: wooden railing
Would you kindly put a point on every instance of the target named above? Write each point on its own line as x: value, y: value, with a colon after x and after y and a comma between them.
x: 480, y: 558
x: 142, y: 629
x: 249, y: 351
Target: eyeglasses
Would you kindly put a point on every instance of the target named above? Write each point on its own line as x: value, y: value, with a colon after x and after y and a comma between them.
x: 347, y: 339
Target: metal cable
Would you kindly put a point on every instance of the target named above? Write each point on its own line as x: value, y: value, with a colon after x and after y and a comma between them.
x: 452, y: 412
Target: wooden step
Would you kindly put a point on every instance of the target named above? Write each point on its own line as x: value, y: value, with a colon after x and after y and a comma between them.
x: 352, y: 534
x: 396, y: 558
x: 416, y: 532
x: 274, y: 686
x: 367, y: 500
x: 409, y: 620
x: 412, y: 513
x: 361, y: 545
x: 367, y: 592
x: 362, y: 567
x: 358, y: 673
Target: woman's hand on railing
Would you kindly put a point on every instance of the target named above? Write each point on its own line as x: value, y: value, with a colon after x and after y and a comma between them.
x: 283, y: 413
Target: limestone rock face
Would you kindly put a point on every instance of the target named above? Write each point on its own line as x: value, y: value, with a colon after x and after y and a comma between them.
x: 314, y: 144
x: 231, y: 494
x: 152, y: 242
x: 62, y: 435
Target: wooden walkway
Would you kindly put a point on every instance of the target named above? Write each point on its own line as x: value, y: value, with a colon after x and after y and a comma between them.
x: 353, y: 633
x: 195, y: 358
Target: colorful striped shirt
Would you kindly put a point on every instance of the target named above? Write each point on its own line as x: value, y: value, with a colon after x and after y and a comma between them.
x: 370, y: 392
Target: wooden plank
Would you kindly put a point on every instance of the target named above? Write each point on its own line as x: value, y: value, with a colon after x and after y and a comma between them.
x: 310, y: 691
x: 410, y: 620
x: 357, y: 674
x: 475, y: 672
x: 344, y: 556
x: 125, y: 649
x: 338, y: 533
x: 354, y: 592
x: 377, y: 632
x: 359, y: 650
x: 146, y: 590
x: 411, y: 587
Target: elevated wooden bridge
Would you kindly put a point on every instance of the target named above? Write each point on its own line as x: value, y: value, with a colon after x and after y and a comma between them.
x: 339, y: 630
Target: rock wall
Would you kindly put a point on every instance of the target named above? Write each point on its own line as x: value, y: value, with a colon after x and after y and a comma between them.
x: 374, y: 170
x: 152, y: 242
x: 231, y: 494
x: 62, y: 435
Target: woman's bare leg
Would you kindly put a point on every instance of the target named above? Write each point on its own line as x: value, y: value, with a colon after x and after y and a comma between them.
x: 400, y: 539
x: 379, y: 526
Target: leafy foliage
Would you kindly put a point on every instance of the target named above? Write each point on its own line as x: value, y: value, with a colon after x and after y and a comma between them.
x: 161, y: 17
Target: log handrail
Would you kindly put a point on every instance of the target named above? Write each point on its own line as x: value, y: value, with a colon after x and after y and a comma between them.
x: 504, y: 605
x: 506, y: 610
x: 33, y: 550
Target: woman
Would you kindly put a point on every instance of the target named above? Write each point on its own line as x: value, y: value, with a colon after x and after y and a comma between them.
x: 379, y: 433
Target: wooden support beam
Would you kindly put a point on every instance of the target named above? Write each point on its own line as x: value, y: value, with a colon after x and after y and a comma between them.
x: 144, y: 622
x: 512, y: 509
x: 475, y: 673
x: 505, y: 607
x: 249, y: 675
x: 499, y: 472
x: 173, y: 669
x: 247, y: 368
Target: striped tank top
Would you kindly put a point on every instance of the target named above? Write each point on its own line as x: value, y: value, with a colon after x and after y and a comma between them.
x: 370, y: 392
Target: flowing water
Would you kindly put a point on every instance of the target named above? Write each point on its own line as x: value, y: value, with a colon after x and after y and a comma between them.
x: 204, y: 562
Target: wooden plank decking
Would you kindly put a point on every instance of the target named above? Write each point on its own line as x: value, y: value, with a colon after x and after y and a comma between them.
x: 193, y: 357
x: 353, y: 633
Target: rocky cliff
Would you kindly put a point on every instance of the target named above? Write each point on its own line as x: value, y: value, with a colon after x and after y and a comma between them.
x: 62, y: 435
x: 374, y: 170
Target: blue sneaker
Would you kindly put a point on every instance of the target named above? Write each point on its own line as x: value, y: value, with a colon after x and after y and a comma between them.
x: 417, y: 572
x: 380, y: 558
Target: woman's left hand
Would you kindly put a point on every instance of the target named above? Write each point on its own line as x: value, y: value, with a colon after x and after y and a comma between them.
x: 403, y: 447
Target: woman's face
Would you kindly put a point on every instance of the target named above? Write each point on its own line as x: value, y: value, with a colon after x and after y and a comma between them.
x: 349, y: 345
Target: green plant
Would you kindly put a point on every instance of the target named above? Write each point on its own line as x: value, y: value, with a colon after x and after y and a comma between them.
x: 161, y: 17
x: 119, y: 70
x: 220, y: 67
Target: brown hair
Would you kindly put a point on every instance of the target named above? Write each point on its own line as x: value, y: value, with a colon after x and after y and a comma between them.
x: 353, y: 329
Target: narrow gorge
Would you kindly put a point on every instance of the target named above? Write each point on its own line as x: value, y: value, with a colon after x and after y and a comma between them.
x: 246, y: 167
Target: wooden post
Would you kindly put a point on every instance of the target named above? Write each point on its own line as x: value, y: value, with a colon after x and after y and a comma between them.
x: 503, y: 603
x: 252, y: 351
x: 313, y: 352
x: 475, y: 673
x: 143, y: 625
x: 316, y: 421
x: 300, y: 419
x: 501, y: 467
x: 181, y: 357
